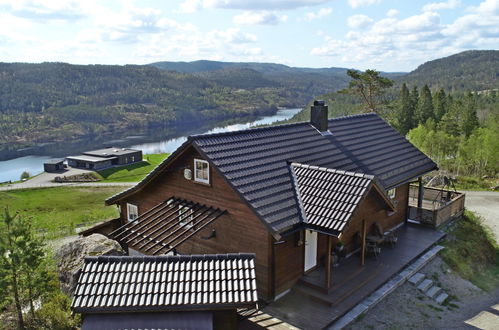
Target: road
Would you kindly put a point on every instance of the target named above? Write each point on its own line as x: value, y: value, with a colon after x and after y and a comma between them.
x: 45, y: 180
x: 486, y: 204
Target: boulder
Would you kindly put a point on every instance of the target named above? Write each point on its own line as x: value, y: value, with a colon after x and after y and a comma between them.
x: 70, y: 257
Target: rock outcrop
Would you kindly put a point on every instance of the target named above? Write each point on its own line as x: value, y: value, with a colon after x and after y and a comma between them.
x: 71, y: 256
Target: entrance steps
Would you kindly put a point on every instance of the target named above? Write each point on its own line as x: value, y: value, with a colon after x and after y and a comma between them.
x: 427, y: 287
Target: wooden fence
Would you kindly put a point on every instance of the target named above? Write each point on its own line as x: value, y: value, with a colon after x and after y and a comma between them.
x: 439, y: 206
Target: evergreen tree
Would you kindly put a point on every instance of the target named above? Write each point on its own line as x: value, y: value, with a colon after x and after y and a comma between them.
x: 370, y: 86
x: 404, y: 111
x: 440, y: 104
x: 469, y: 119
x: 414, y: 96
x: 24, y: 277
x: 424, y: 110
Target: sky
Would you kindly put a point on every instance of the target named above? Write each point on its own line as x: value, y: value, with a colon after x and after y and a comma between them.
x: 386, y: 35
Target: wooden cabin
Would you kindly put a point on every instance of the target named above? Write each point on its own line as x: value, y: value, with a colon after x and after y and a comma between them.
x: 288, y: 193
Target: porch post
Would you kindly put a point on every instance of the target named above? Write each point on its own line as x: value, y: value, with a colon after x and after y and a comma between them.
x: 420, y: 198
x: 328, y: 263
x: 363, y: 243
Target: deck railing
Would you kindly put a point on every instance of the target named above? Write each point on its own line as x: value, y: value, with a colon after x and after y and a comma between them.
x: 438, y: 207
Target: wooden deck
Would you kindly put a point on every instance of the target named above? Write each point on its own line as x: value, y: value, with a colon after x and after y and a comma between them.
x: 310, y: 308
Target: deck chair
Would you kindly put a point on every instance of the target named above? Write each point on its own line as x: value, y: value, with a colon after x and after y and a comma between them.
x: 388, y: 236
x: 373, y: 249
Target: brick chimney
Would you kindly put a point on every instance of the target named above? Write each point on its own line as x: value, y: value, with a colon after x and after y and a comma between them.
x: 318, y: 116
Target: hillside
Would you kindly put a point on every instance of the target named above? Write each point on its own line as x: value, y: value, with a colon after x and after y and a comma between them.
x: 54, y: 101
x: 470, y: 70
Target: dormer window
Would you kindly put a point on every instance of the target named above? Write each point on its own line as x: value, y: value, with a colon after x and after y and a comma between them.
x: 201, y: 171
x: 391, y: 193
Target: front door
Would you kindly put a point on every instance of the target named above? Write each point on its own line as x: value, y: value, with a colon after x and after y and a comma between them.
x: 310, y: 249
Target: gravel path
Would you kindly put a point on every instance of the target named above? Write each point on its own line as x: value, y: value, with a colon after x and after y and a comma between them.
x: 486, y: 204
x: 408, y: 308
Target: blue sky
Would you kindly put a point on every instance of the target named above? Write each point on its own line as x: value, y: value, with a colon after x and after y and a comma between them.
x: 386, y: 35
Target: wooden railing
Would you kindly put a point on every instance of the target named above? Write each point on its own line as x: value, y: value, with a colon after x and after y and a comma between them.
x: 439, y: 206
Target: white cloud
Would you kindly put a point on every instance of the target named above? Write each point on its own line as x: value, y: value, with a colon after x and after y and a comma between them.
x: 359, y: 21
x: 392, y: 13
x: 449, y: 4
x: 321, y: 13
x: 41, y: 10
x: 258, y: 17
x: 362, y: 3
x: 415, y: 39
x: 190, y: 6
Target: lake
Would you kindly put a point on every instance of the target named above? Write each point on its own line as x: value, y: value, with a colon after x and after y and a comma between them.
x: 149, y: 141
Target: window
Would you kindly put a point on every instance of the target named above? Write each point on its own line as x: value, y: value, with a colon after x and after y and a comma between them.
x: 391, y: 193
x: 132, y: 212
x: 185, y: 216
x: 201, y: 171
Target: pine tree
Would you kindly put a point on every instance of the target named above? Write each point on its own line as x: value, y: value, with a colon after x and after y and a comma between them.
x: 370, y: 86
x: 424, y: 110
x: 405, y: 111
x: 24, y: 275
x: 440, y: 104
x: 469, y: 119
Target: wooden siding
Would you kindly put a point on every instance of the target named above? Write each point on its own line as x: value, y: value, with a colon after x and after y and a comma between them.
x: 288, y: 262
x: 239, y: 230
x: 372, y: 210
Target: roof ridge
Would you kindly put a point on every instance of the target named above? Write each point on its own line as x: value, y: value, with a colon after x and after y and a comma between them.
x: 186, y: 257
x: 333, y: 170
x: 367, y: 114
x: 254, y: 129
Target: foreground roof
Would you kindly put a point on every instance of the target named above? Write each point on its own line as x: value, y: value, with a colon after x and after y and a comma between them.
x: 330, y: 197
x: 166, y: 283
x: 255, y: 162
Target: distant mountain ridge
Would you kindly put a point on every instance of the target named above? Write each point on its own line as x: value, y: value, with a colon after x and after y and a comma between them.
x: 469, y: 70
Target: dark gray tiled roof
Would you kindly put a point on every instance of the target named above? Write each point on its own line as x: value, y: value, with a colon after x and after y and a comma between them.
x: 162, y: 283
x: 329, y: 197
x: 255, y: 161
x: 379, y: 150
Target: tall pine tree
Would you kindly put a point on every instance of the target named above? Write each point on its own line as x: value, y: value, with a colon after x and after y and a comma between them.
x: 469, y: 120
x: 405, y: 111
x: 440, y: 104
x: 424, y: 110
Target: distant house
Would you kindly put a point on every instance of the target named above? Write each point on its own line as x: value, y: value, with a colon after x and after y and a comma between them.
x: 102, y: 158
x: 287, y: 193
x: 165, y: 292
x: 53, y: 165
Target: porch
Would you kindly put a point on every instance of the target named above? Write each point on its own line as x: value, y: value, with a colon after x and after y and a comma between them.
x: 309, y: 306
x: 437, y: 207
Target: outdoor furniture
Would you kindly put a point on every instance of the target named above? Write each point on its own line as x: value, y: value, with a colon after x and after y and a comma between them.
x: 373, y: 248
x: 390, y: 238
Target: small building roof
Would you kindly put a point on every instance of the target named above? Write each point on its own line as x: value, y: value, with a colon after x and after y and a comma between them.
x: 109, y: 152
x: 330, y: 197
x: 166, y: 283
x: 90, y: 159
x: 54, y: 161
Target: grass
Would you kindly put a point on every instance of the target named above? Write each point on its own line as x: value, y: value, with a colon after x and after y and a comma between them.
x: 134, y: 172
x: 56, y: 212
x: 471, y: 251
x: 475, y: 183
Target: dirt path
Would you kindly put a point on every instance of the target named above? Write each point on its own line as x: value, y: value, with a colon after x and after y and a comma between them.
x: 486, y: 204
x: 408, y: 308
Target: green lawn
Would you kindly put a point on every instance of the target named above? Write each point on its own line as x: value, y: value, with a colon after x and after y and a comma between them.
x: 56, y: 212
x: 471, y: 250
x: 134, y: 172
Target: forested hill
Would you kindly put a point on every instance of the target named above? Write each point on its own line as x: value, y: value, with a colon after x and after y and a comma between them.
x: 473, y: 70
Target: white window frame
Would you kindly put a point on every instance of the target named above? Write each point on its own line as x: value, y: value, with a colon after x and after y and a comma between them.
x: 132, y: 209
x: 185, y: 216
x: 391, y: 193
x: 198, y: 179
